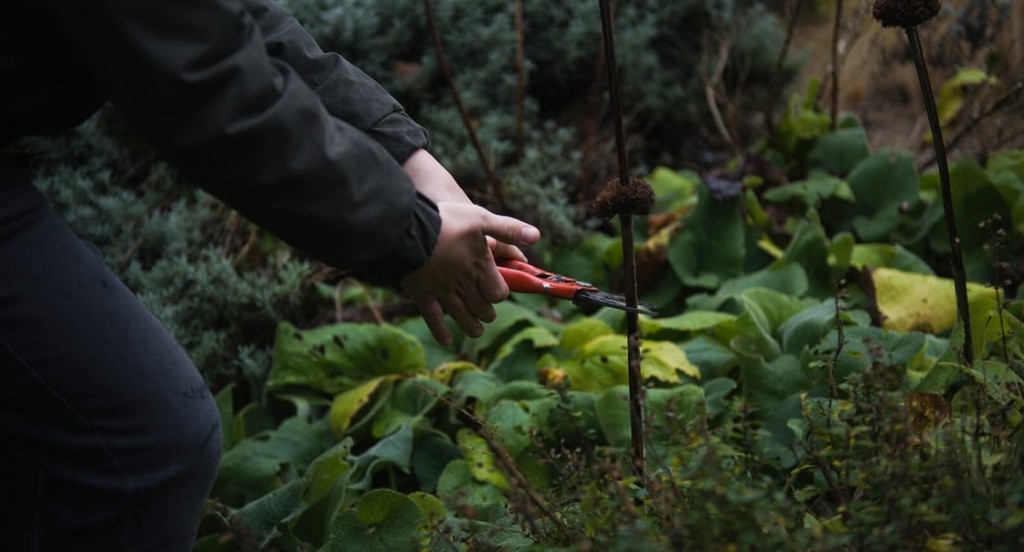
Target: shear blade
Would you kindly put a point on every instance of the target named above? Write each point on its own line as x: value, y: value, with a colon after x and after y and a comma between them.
x: 605, y: 299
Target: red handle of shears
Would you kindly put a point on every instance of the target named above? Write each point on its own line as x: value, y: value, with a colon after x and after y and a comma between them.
x: 525, y: 278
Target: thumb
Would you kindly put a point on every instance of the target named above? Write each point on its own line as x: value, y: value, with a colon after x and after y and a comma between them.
x: 510, y: 230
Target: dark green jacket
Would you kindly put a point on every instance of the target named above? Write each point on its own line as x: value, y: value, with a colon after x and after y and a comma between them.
x: 241, y: 100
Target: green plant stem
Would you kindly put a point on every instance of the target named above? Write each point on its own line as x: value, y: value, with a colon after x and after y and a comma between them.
x: 636, y: 390
x: 957, y: 261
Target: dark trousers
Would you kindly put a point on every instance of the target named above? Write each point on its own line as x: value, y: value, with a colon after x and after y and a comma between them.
x: 109, y: 439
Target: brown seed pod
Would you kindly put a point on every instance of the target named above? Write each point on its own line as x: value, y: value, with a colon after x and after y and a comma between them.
x: 904, y: 13
x: 637, y: 198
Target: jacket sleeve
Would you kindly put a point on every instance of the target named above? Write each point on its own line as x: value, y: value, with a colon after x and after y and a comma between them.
x: 347, y: 92
x: 195, y: 78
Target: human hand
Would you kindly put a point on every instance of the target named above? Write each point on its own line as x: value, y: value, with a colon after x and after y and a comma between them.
x: 434, y: 181
x: 460, y: 278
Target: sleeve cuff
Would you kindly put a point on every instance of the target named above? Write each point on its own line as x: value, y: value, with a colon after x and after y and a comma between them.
x: 420, y: 239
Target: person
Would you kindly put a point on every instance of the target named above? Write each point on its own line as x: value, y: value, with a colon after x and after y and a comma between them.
x: 110, y: 438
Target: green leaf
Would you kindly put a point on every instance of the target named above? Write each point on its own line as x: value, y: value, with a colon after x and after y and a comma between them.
x: 807, y: 327
x: 577, y: 334
x: 711, y: 246
x: 261, y: 517
x: 382, y: 521
x: 517, y: 358
x: 953, y: 91
x: 226, y: 408
x: 431, y: 453
x: 612, y: 408
x: 712, y: 357
x: 715, y: 393
x: 811, y: 192
x: 410, y: 400
x: 839, y: 152
x: 809, y: 249
x: 395, y: 450
x: 886, y: 186
x: 332, y: 359
x: 511, y: 318
x: 673, y: 190
x: 457, y: 486
x: 667, y: 411
x: 981, y: 213
x: 690, y: 321
x: 885, y: 255
x: 261, y: 464
x: 326, y: 471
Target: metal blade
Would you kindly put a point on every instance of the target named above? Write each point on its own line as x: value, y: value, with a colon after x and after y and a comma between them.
x: 604, y: 299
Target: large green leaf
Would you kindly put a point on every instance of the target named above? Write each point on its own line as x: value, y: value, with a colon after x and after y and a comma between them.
x: 673, y: 190
x: 681, y: 324
x: 839, y: 152
x: 981, y: 213
x: 263, y: 463
x: 332, y: 359
x: 711, y: 246
x: 886, y: 186
x: 382, y: 521
x: 409, y: 402
x: 394, y: 450
x: 517, y: 358
x: 811, y: 192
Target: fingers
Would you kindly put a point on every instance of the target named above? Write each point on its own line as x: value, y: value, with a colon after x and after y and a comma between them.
x: 433, y: 315
x: 509, y: 230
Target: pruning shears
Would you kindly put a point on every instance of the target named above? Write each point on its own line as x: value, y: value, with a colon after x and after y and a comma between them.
x: 525, y: 278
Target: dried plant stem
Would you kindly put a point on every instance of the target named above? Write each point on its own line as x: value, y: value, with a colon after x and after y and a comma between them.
x: 496, y: 187
x: 520, y: 79
x: 957, y: 261
x: 636, y: 390
x: 710, y: 84
x: 835, y: 62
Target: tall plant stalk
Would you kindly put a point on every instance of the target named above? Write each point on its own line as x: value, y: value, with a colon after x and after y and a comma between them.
x: 636, y: 391
x: 908, y: 15
x: 957, y: 261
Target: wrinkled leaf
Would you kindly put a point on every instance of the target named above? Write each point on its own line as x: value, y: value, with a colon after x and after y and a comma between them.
x: 382, y: 521
x: 333, y: 358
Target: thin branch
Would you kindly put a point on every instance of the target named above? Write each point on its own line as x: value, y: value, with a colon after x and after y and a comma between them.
x: 496, y: 186
x: 1008, y: 96
x: 520, y: 79
x: 636, y: 390
x: 710, y: 83
x: 835, y: 63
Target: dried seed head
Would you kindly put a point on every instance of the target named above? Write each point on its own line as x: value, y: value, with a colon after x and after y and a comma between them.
x: 904, y: 13
x: 636, y: 198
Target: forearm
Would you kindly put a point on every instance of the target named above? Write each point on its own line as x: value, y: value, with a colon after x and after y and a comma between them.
x: 194, y: 77
x: 346, y: 91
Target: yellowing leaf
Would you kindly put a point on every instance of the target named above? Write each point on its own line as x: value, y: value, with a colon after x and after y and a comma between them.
x: 482, y: 461
x: 909, y: 301
x: 601, y: 363
x: 347, y: 404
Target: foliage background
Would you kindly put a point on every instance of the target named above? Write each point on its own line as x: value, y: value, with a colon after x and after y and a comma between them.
x: 804, y: 386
